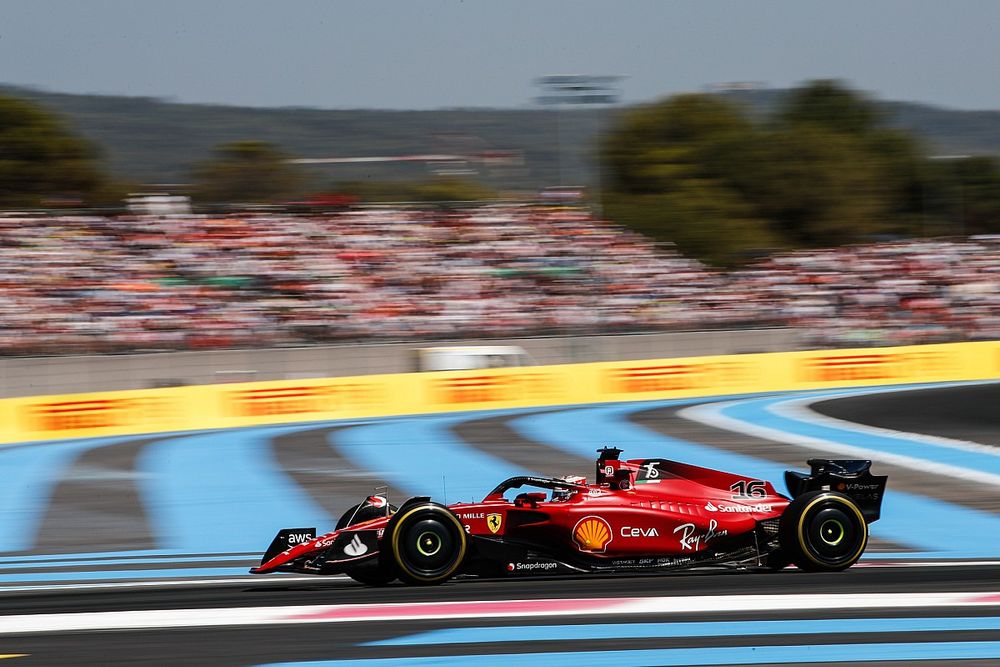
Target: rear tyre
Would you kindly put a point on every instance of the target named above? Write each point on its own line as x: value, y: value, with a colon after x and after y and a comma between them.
x: 428, y: 544
x: 823, y: 531
x: 380, y: 572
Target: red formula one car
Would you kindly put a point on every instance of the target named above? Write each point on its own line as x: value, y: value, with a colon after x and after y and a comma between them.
x: 638, y: 515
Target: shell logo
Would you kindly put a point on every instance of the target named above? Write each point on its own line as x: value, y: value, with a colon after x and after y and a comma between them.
x: 592, y: 533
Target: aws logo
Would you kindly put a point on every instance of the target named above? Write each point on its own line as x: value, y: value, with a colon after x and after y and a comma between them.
x: 592, y: 533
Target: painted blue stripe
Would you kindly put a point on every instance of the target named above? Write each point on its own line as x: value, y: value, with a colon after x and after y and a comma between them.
x: 107, y: 556
x: 423, y: 456
x: 683, y: 657
x: 758, y: 411
x: 126, y: 561
x: 533, y: 633
x: 170, y: 573
x: 932, y: 527
x: 583, y: 431
x: 223, y: 491
x: 30, y: 471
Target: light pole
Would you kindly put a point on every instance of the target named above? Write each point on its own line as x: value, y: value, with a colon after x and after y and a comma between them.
x: 577, y: 90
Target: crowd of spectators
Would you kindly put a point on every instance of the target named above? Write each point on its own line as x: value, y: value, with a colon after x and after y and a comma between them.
x: 102, y: 284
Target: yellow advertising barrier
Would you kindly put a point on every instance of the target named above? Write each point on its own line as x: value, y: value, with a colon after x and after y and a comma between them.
x: 256, y: 403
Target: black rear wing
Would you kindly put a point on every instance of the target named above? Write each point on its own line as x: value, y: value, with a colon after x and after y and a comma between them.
x: 853, y: 478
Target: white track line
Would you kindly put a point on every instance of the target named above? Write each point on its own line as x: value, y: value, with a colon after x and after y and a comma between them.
x: 248, y: 580
x: 244, y: 616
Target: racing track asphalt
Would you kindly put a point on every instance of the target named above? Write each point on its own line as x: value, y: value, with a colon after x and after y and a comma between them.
x: 268, y: 644
x: 962, y: 413
x: 968, y: 413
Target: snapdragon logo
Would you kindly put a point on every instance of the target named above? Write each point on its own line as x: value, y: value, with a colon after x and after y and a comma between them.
x: 530, y: 567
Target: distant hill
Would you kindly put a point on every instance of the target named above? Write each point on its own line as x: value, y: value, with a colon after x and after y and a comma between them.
x: 156, y: 141
x: 945, y: 131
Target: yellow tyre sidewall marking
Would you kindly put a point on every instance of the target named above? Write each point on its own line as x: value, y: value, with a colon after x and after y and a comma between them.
x: 842, y: 501
x: 437, y: 510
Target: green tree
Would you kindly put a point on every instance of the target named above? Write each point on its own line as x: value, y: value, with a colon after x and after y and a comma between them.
x: 818, y: 188
x: 670, y: 170
x: 857, y: 177
x: 822, y: 170
x: 41, y: 158
x: 833, y: 105
x: 963, y: 195
x: 247, y: 171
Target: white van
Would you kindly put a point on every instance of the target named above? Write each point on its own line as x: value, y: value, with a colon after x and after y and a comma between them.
x: 471, y: 357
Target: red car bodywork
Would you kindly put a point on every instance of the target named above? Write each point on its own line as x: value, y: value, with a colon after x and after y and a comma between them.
x: 639, y: 514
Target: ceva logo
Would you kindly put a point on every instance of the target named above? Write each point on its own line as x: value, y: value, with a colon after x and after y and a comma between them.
x: 592, y: 533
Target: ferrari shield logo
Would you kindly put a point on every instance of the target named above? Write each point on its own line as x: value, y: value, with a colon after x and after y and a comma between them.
x: 493, y: 522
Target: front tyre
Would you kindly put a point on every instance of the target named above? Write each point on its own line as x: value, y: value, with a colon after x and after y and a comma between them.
x: 823, y: 531
x: 428, y: 544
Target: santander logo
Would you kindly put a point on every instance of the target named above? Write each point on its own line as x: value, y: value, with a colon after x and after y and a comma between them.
x: 759, y: 508
x: 355, y: 547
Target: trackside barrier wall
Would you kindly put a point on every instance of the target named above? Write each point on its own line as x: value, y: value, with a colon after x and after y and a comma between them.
x: 256, y: 403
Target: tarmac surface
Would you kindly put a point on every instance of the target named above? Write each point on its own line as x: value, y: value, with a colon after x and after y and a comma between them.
x: 263, y: 644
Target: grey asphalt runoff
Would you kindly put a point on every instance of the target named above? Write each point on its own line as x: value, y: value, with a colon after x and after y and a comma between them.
x: 96, y: 505
x: 314, y: 463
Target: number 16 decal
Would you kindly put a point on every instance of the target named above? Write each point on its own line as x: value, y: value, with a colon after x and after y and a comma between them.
x: 748, y: 489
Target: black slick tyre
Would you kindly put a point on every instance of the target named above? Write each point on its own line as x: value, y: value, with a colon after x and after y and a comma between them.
x: 427, y: 543
x: 380, y: 572
x: 823, y: 531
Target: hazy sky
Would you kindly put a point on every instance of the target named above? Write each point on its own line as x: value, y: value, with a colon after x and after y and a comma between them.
x: 422, y: 54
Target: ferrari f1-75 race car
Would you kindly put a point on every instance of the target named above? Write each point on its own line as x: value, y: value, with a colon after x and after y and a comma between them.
x: 638, y: 515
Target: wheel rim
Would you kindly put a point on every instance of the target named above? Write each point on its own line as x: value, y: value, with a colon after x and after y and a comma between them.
x: 832, y: 534
x: 428, y: 544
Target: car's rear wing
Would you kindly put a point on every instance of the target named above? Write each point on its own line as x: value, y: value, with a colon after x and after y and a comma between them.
x: 853, y: 478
